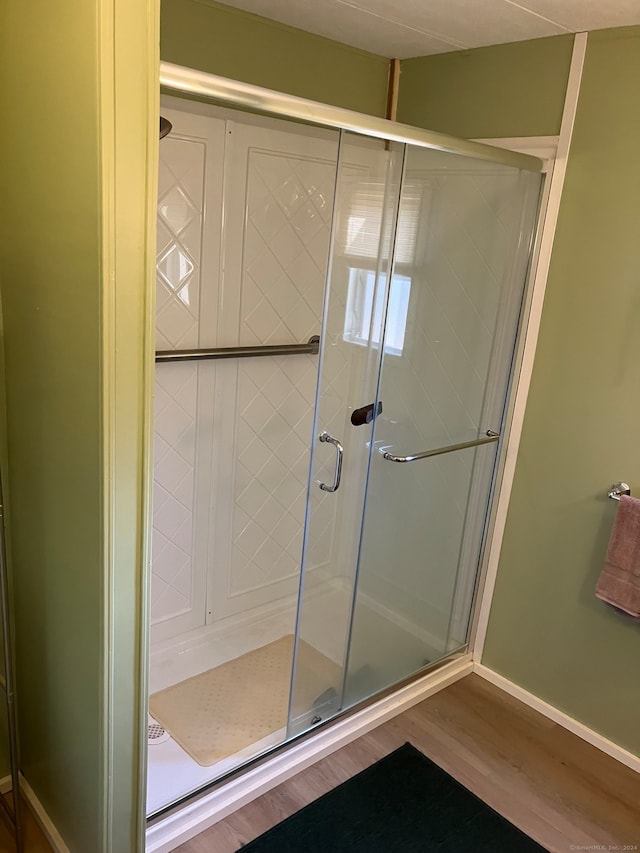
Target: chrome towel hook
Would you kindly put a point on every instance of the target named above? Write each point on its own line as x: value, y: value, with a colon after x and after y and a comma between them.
x: 617, y: 490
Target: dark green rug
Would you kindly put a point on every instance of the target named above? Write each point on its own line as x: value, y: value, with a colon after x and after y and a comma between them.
x: 402, y: 804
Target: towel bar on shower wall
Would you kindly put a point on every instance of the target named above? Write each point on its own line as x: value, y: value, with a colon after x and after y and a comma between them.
x: 617, y: 490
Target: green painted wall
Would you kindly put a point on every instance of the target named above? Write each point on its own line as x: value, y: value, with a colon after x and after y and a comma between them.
x: 78, y: 148
x: 49, y: 263
x: 547, y: 631
x: 211, y: 37
x: 506, y: 90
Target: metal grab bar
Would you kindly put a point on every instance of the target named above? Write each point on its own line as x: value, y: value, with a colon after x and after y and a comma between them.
x: 310, y: 348
x: 491, y: 436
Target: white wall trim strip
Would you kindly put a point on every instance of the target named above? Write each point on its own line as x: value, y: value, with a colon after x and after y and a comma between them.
x: 545, y: 147
x: 48, y: 827
x: 533, y: 328
x: 6, y: 784
x: 559, y: 717
x: 175, y: 829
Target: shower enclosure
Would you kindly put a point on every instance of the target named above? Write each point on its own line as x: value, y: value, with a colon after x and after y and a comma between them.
x: 320, y: 507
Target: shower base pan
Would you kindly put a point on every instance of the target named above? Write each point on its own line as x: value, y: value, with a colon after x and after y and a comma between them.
x: 224, y: 710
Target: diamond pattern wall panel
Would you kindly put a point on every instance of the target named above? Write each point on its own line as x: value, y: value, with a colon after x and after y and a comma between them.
x: 286, y: 247
x: 180, y: 209
x: 174, y: 463
x: 277, y: 237
x: 180, y: 214
x: 288, y: 212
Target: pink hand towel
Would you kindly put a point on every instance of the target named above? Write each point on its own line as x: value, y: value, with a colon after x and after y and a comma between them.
x: 619, y: 581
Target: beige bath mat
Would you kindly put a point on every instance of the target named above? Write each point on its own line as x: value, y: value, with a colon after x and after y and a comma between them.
x: 228, y: 708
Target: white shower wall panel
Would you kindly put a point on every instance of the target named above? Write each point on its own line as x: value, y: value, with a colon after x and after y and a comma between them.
x: 276, y: 253
x: 243, y: 237
x: 188, y: 249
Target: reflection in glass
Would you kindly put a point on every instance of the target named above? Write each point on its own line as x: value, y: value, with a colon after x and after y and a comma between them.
x: 363, y: 319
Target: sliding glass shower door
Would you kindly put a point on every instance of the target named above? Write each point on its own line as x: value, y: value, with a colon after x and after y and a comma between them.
x: 461, y: 258
x: 364, y: 224
x: 429, y: 259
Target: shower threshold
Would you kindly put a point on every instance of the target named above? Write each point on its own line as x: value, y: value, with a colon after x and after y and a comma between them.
x: 179, y: 822
x: 174, y: 775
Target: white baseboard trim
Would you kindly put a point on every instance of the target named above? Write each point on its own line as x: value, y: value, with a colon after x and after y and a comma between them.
x: 176, y: 828
x: 6, y: 785
x: 48, y: 827
x: 564, y: 720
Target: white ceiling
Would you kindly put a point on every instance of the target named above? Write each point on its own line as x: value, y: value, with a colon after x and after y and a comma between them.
x: 404, y: 28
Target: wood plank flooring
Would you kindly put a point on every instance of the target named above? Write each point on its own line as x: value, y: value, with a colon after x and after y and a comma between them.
x: 554, y: 786
x: 34, y: 838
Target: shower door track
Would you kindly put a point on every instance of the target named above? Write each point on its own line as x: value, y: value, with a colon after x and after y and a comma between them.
x: 247, y: 96
x: 163, y: 825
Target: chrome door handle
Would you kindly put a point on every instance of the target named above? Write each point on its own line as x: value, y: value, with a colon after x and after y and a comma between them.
x: 324, y: 436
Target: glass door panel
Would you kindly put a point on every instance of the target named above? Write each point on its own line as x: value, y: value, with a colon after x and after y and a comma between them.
x: 409, y: 564
x: 461, y: 257
x: 365, y: 212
